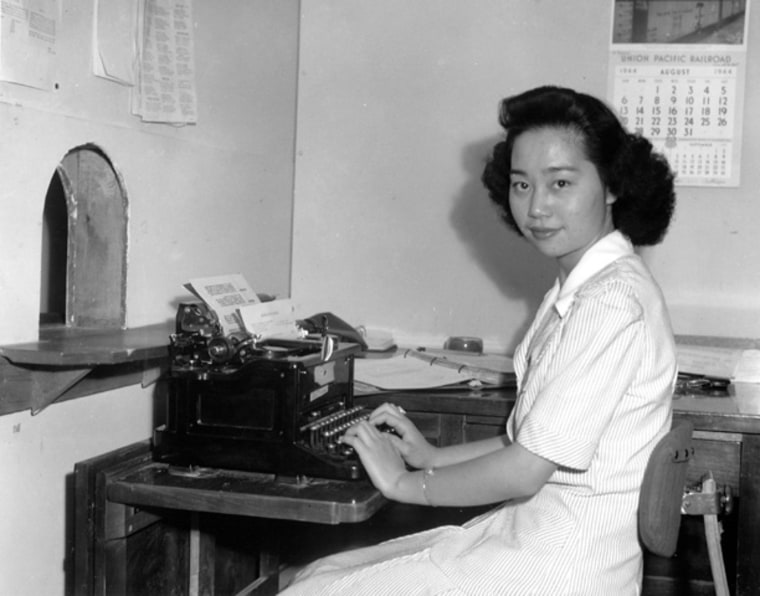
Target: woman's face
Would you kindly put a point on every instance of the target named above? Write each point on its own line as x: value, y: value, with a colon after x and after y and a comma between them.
x: 556, y: 195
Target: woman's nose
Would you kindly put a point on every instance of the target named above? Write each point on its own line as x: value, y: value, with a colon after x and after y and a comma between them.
x: 539, y: 205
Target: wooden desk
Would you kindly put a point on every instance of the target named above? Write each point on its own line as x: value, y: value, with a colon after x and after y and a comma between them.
x: 727, y: 442
x: 148, y: 528
x: 142, y: 530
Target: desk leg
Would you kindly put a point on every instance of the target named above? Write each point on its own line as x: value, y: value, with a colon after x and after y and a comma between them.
x: 269, y: 557
x: 201, y: 572
x: 232, y: 555
x: 748, y: 539
x: 268, y: 582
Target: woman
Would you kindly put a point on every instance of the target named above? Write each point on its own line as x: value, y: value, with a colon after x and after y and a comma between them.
x: 595, y: 376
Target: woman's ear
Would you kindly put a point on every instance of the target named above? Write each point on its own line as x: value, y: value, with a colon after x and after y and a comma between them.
x: 609, y: 198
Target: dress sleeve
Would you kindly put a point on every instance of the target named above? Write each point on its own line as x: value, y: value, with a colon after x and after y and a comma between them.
x: 591, y: 365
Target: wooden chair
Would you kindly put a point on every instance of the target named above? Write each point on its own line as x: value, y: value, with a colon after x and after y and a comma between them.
x: 665, y: 497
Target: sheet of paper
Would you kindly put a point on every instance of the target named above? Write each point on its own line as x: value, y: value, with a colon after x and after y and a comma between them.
x: 399, y: 372
x: 746, y: 396
x: 748, y: 368
x: 28, y: 42
x: 708, y: 361
x: 166, y: 88
x: 267, y: 320
x: 224, y: 294
x: 494, y: 362
x: 114, y: 39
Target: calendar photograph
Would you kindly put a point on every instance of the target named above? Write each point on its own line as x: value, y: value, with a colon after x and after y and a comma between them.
x: 710, y: 22
x: 676, y: 76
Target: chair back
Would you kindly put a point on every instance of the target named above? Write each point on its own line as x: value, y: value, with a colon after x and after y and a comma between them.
x: 662, y: 490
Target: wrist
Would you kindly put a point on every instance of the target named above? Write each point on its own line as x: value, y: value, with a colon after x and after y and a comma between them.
x: 427, y: 478
x: 407, y: 488
x: 432, y: 459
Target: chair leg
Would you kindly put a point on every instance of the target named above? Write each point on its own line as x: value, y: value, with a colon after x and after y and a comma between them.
x: 714, y: 549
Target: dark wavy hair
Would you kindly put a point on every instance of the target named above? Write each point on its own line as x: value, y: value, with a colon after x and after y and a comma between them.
x: 640, y: 178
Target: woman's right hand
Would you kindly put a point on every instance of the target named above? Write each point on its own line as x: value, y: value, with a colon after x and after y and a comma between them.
x: 408, y: 440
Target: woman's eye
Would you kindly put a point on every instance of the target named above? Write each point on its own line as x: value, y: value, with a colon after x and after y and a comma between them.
x: 562, y: 183
x: 519, y: 186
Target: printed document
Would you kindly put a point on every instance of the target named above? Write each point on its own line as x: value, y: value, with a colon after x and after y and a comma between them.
x: 224, y: 294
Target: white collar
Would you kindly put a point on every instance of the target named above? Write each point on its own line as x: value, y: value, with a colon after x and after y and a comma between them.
x: 606, y: 250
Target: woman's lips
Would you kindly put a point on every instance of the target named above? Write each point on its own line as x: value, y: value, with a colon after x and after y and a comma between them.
x: 542, y: 233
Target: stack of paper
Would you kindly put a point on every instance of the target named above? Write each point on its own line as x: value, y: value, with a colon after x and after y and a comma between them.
x: 740, y: 366
x: 415, y: 369
x: 735, y: 364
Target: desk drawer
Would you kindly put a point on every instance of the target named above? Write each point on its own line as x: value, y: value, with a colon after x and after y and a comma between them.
x: 483, y: 427
x: 430, y: 425
x: 452, y: 429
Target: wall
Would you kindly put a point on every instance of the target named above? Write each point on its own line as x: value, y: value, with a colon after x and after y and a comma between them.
x: 397, y: 112
x: 206, y: 199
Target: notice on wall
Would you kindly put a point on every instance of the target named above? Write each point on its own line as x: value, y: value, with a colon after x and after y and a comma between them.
x: 114, y: 26
x: 166, y: 88
x: 28, y: 42
x: 677, y: 73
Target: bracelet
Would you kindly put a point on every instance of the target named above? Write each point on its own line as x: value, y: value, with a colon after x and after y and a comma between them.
x: 427, y: 473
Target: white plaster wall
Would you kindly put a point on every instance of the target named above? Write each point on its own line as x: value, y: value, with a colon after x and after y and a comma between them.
x: 37, y: 457
x: 206, y: 199
x: 397, y: 111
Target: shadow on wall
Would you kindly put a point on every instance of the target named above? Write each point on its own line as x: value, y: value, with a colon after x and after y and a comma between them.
x: 520, y: 272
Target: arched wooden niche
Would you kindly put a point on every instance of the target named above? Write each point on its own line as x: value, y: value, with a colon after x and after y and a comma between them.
x: 84, y: 244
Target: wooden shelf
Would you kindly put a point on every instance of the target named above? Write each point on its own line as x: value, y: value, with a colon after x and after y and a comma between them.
x: 65, y: 363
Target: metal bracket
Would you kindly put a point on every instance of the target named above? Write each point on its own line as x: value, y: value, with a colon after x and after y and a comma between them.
x: 707, y: 498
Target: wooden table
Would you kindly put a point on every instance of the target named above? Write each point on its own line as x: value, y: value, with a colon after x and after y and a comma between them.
x: 144, y: 528
x: 149, y: 528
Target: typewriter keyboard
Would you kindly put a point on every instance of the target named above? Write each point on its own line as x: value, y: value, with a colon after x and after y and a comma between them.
x: 323, y: 434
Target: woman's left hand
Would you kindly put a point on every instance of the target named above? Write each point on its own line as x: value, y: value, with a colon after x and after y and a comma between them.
x: 380, y: 457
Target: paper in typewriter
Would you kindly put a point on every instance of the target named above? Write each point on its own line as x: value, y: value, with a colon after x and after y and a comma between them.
x: 224, y: 294
x: 270, y: 320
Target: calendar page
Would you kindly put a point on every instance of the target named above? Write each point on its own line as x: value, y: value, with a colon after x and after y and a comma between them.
x: 677, y: 73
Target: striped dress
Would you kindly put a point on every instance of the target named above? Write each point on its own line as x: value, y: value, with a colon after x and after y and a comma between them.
x: 595, y: 378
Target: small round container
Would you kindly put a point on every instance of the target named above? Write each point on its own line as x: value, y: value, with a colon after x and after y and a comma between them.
x: 460, y: 343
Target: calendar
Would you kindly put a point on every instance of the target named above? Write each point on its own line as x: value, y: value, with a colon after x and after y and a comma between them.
x: 676, y: 77
x: 690, y: 113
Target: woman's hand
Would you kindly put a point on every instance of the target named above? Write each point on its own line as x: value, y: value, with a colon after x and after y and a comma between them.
x: 379, y: 456
x: 408, y: 440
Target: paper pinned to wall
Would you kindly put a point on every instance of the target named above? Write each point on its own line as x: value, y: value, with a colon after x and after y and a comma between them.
x: 165, y: 91
x: 114, y: 41
x: 28, y: 42
x: 677, y: 76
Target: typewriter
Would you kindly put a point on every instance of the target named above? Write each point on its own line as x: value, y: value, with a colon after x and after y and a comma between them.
x: 275, y: 406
